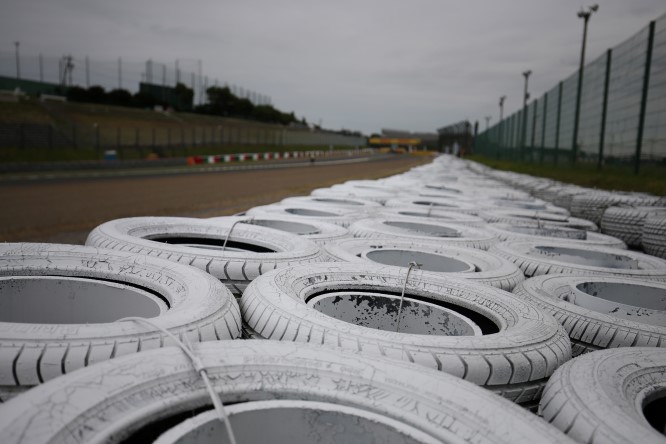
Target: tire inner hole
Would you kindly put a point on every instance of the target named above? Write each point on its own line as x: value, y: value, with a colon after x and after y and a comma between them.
x: 209, y: 243
x: 75, y: 300
x: 420, y: 315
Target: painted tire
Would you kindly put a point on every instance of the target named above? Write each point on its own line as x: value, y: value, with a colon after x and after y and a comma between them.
x: 555, y: 257
x: 423, y: 230
x: 609, y: 396
x: 56, y: 314
x: 552, y: 233
x: 446, y: 261
x: 198, y: 242
x: 143, y: 395
x: 319, y: 232
x: 513, y: 350
x: 601, y: 312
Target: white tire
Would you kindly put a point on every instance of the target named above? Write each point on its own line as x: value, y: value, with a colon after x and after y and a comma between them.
x: 524, y: 217
x: 591, y: 206
x: 335, y: 215
x: 551, y: 233
x: 250, y: 252
x: 423, y: 230
x: 434, y: 203
x: 653, y: 235
x: 611, y: 396
x: 466, y: 263
x: 319, y: 232
x: 537, y: 258
x: 449, y: 217
x: 479, y: 333
x: 136, y: 397
x: 601, y: 312
x: 59, y: 304
x: 378, y: 195
x: 348, y: 203
x: 626, y: 223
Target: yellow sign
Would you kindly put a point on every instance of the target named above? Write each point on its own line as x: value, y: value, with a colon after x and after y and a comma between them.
x: 390, y: 141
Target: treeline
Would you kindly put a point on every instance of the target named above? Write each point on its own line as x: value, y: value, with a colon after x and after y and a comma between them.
x: 121, y: 97
x: 222, y: 102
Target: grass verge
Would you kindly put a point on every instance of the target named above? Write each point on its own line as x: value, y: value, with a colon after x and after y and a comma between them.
x: 652, y: 178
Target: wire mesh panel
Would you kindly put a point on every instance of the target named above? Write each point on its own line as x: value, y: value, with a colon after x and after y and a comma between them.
x: 654, y: 135
x: 624, y: 97
x: 568, y: 112
x: 591, y: 106
x: 551, y: 117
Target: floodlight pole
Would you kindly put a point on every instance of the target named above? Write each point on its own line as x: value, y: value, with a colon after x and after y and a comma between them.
x: 585, y: 15
x: 18, y: 62
x: 526, y: 96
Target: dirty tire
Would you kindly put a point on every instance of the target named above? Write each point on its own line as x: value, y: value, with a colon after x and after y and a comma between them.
x: 554, y: 257
x: 318, y: 232
x: 423, y: 230
x: 653, y: 236
x: 626, y: 223
x: 520, y: 348
x: 600, y: 397
x: 117, y: 400
x: 62, y: 331
x: 234, y: 268
x: 552, y: 233
x: 595, y: 314
x: 483, y: 268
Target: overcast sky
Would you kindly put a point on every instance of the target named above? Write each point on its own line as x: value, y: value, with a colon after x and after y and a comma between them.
x: 362, y: 65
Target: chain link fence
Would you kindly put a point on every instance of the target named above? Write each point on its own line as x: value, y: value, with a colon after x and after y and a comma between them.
x: 622, y: 112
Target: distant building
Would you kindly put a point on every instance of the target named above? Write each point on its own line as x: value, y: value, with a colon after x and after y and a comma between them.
x: 456, y: 137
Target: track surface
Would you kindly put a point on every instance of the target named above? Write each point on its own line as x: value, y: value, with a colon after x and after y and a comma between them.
x: 66, y: 210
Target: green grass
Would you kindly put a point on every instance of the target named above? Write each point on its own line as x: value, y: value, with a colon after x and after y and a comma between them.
x: 652, y: 178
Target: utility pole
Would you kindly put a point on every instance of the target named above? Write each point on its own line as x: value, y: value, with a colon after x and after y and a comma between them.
x: 18, y: 61
x: 585, y: 15
x: 488, y: 122
x: 526, y: 97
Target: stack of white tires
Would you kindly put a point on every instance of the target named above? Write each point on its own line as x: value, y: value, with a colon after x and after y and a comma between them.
x: 448, y: 303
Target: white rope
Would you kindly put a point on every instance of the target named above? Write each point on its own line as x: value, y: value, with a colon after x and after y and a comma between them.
x: 198, y: 366
x: 430, y: 209
x: 402, y: 296
x: 244, y: 221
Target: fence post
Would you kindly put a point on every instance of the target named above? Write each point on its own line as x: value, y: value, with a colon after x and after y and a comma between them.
x: 97, y: 147
x: 118, y: 143
x: 604, y: 109
x: 137, y: 146
x: 646, y: 85
x: 21, y: 137
x: 534, y: 121
x: 557, y: 123
x: 544, y: 115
